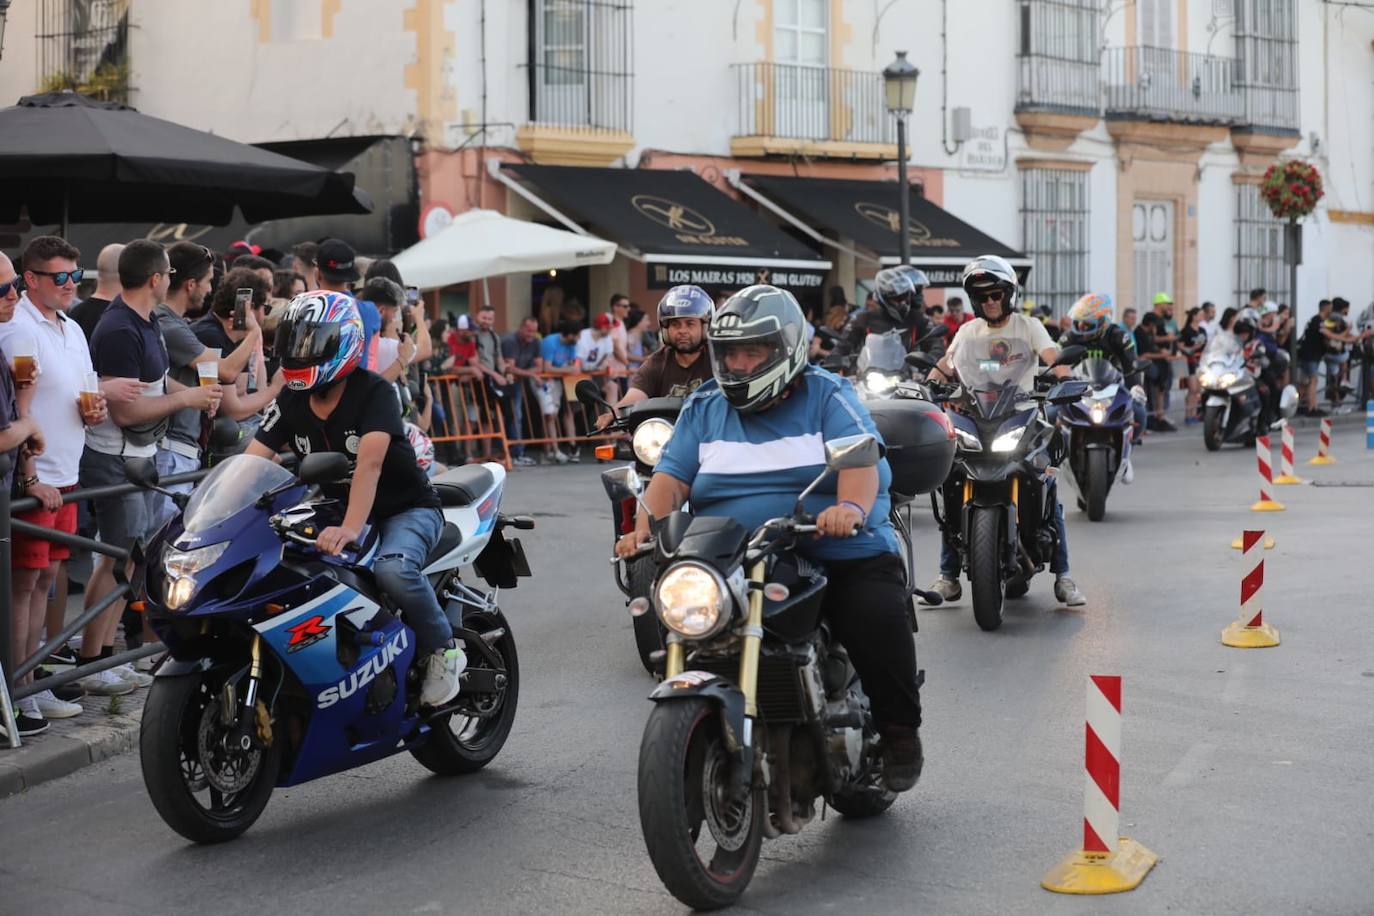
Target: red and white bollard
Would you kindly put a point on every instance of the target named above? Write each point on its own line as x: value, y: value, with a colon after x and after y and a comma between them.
x: 1323, y: 444
x: 1251, y: 631
x: 1266, y: 503
x: 1286, y: 477
x: 1107, y: 863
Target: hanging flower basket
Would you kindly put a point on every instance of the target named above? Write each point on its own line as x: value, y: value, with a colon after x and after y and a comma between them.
x: 1291, y: 189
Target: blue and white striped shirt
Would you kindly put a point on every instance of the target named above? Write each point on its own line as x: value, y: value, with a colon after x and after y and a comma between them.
x: 752, y: 467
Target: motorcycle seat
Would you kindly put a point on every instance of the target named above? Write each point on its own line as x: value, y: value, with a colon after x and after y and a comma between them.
x: 449, y: 538
x: 463, y: 486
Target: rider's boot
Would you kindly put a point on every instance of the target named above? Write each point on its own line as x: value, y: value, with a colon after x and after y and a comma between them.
x: 902, y: 757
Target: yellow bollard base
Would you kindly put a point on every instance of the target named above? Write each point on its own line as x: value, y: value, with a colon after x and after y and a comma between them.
x: 1097, y: 873
x: 1267, y: 505
x: 1322, y: 459
x: 1238, y: 636
x: 1239, y: 544
x: 1287, y: 480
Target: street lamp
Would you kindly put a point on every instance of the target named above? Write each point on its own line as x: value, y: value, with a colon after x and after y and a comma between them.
x: 899, y: 87
x: 4, y: 14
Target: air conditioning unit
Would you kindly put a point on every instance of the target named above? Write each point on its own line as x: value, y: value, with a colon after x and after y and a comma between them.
x: 961, y: 126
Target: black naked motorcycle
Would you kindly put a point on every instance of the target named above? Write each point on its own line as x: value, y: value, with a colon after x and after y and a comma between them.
x: 996, y: 513
x: 644, y: 430
x: 760, y: 713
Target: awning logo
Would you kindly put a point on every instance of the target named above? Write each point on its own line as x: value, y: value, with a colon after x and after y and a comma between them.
x: 689, y: 225
x: 891, y: 220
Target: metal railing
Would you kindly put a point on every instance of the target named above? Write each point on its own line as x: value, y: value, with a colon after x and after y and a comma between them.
x: 1058, y: 67
x: 580, y: 64
x: 1161, y: 84
x: 812, y: 103
x: 84, y: 45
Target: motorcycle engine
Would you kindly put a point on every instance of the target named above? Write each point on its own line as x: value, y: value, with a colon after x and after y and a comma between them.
x: 381, y: 692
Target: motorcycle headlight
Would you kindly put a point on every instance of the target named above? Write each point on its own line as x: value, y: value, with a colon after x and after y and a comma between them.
x: 691, y: 600
x: 650, y: 438
x: 880, y: 382
x: 967, y: 440
x: 1228, y: 379
x: 1097, y: 412
x: 1207, y: 378
x: 1007, y: 441
x: 181, y: 567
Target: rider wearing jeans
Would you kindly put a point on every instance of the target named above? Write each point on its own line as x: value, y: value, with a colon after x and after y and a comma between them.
x: 747, y: 443
x: 993, y: 289
x: 1092, y: 327
x: 331, y: 405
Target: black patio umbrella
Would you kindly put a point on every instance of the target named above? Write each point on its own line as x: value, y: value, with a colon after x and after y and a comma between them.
x: 70, y: 158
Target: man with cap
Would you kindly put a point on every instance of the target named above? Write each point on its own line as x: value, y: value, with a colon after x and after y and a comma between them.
x: 337, y: 265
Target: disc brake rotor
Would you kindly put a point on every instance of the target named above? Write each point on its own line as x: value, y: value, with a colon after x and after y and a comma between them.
x: 228, y: 770
x: 728, y: 821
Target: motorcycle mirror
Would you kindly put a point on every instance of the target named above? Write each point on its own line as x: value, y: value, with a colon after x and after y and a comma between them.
x: 933, y: 333
x: 589, y: 393
x: 861, y: 451
x: 622, y: 483
x: 141, y: 472
x: 921, y: 361
x: 1068, y: 392
x: 224, y: 434
x: 323, y: 467
x: 1071, y: 355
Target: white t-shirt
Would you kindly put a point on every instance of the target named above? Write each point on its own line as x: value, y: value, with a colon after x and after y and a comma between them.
x: 387, y: 350
x: 592, y: 350
x: 63, y: 361
x: 618, y: 336
x: 1019, y: 334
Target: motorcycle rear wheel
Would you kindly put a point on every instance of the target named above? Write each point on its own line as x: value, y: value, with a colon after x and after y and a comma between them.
x: 464, y: 744
x: 985, y: 566
x: 1211, y: 428
x: 704, y: 846
x: 177, y: 712
x: 1097, y: 485
x: 639, y: 574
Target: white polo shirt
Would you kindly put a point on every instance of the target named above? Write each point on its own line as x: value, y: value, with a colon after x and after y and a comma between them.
x: 63, y: 361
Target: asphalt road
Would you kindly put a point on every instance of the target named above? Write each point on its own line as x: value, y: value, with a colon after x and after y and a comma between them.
x: 1248, y: 772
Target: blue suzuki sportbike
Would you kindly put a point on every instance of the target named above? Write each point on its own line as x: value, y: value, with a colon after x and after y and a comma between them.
x: 1101, y: 433
x: 285, y: 665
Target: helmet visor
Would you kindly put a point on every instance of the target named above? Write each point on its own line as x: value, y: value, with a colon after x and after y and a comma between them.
x: 740, y: 359
x: 1086, y: 325
x: 305, y: 344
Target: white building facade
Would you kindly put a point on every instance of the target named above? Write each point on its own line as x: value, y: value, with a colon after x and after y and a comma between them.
x: 1116, y: 142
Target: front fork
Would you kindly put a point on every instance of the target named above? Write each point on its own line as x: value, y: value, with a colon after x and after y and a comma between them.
x: 239, y: 721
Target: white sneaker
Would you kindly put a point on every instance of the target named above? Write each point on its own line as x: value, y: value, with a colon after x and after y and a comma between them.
x: 127, y: 674
x: 1067, y: 593
x: 1127, y: 471
x: 442, y: 670
x: 105, y: 684
x: 53, y: 708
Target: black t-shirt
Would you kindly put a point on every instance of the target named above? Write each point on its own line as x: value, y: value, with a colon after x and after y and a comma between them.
x: 1145, y: 342
x: 86, y: 314
x: 368, y: 405
x: 1190, y: 337
x: 211, y: 333
x: 1312, y: 344
x: 662, y: 376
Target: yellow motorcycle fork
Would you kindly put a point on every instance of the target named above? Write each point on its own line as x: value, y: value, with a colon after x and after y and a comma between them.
x: 749, y: 652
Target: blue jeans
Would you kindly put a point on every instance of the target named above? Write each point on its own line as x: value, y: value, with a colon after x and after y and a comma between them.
x: 406, y: 540
x: 168, y: 463
x: 1059, y: 563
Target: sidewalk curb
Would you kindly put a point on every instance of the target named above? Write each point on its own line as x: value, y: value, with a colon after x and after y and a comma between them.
x: 51, y: 757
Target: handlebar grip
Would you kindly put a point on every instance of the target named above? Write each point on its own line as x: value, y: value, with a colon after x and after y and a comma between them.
x: 519, y: 522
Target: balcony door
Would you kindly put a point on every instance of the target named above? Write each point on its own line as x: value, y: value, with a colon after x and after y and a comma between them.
x: 1152, y: 232
x: 801, y: 54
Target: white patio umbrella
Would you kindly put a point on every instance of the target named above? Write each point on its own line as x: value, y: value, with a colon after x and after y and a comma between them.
x: 484, y: 243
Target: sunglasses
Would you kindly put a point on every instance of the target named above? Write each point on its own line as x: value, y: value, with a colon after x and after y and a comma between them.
x: 17, y: 284
x: 992, y: 295
x: 60, y: 277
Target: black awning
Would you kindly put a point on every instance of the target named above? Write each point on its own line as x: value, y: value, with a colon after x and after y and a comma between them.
x: 867, y: 212
x: 685, y: 229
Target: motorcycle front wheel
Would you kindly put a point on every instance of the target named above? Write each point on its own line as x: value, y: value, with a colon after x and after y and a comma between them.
x: 639, y: 574
x: 1211, y: 428
x: 703, y: 842
x: 1096, y: 490
x: 985, y: 566
x: 205, y: 788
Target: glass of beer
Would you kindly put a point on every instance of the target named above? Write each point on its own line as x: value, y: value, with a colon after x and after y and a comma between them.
x: 208, y: 369
x: 90, y: 393
x: 22, y: 361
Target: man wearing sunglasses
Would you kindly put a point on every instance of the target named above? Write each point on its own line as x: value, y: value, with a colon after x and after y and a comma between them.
x: 993, y: 289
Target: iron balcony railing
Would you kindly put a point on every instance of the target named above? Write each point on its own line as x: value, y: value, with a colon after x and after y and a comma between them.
x: 1161, y: 84
x: 800, y: 102
x: 1058, y: 68
x: 83, y: 45
x: 581, y: 73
